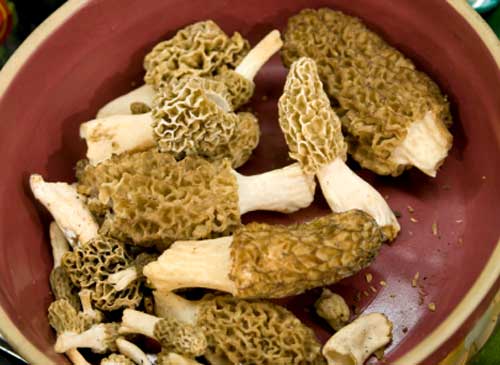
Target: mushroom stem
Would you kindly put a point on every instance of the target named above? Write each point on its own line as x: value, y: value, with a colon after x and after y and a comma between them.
x: 58, y: 242
x: 425, y: 146
x: 209, y: 265
x: 344, y: 190
x: 67, y: 207
x: 121, y: 105
x: 132, y: 351
x: 283, y: 190
x: 76, y: 357
x: 121, y: 279
x: 171, y: 305
x: 259, y: 55
x: 117, y: 134
x: 138, y: 322
x: 354, y: 343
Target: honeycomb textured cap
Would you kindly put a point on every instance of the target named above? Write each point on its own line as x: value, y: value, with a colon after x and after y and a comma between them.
x: 240, y: 88
x: 63, y: 317
x: 251, y: 332
x: 89, y: 265
x: 181, y: 338
x: 152, y: 199
x: 187, y: 119
x: 196, y: 50
x: 63, y: 288
x: 274, y: 261
x: 376, y: 91
x: 312, y: 129
x: 95, y: 260
x: 241, y: 145
x: 116, y: 359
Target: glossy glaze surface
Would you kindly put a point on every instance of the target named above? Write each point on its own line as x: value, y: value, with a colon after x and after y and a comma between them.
x: 96, y: 55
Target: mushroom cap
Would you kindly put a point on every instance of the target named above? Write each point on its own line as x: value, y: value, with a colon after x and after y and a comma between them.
x: 275, y: 261
x: 149, y: 198
x: 196, y: 50
x: 257, y: 333
x: 191, y: 117
x: 311, y: 127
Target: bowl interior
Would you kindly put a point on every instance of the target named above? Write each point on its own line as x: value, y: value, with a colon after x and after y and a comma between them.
x: 96, y: 55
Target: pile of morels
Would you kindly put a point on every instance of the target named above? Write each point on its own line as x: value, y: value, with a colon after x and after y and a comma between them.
x: 156, y: 209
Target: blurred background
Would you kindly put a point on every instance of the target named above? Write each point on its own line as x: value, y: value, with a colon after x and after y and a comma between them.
x: 18, y: 18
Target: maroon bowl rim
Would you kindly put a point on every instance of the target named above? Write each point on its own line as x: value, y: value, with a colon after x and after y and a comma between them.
x: 483, y: 285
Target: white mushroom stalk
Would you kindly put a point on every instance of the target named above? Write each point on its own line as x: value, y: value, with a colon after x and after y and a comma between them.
x: 259, y: 55
x: 115, y: 134
x: 76, y: 357
x: 354, y: 343
x: 425, y: 146
x: 58, y: 243
x: 314, y: 137
x: 171, y: 305
x: 344, y: 190
x: 208, y: 266
x: 248, y: 68
x: 282, y: 190
x: 137, y: 322
x: 88, y: 310
x: 67, y: 208
x: 132, y: 351
x: 121, y: 279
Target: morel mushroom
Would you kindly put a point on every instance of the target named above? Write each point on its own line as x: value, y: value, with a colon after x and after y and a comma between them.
x: 314, y: 137
x: 271, y: 261
x: 149, y: 198
x: 394, y: 116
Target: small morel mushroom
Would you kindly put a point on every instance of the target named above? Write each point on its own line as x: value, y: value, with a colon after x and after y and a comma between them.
x: 172, y: 334
x: 149, y: 198
x: 314, y: 136
x: 394, y: 116
x: 100, y: 338
x: 64, y: 319
x: 199, y: 49
x: 89, y: 267
x: 67, y: 208
x: 245, y: 332
x: 60, y: 283
x: 271, y: 261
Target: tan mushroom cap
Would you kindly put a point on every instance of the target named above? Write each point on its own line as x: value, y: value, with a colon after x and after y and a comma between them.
x: 312, y: 129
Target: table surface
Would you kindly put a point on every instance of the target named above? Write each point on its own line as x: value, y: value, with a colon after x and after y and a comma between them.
x: 493, y: 18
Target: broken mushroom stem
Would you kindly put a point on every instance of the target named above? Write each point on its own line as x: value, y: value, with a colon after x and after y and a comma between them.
x: 132, y: 351
x: 67, y: 208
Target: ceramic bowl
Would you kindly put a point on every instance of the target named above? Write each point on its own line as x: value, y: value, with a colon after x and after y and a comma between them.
x: 89, y: 52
